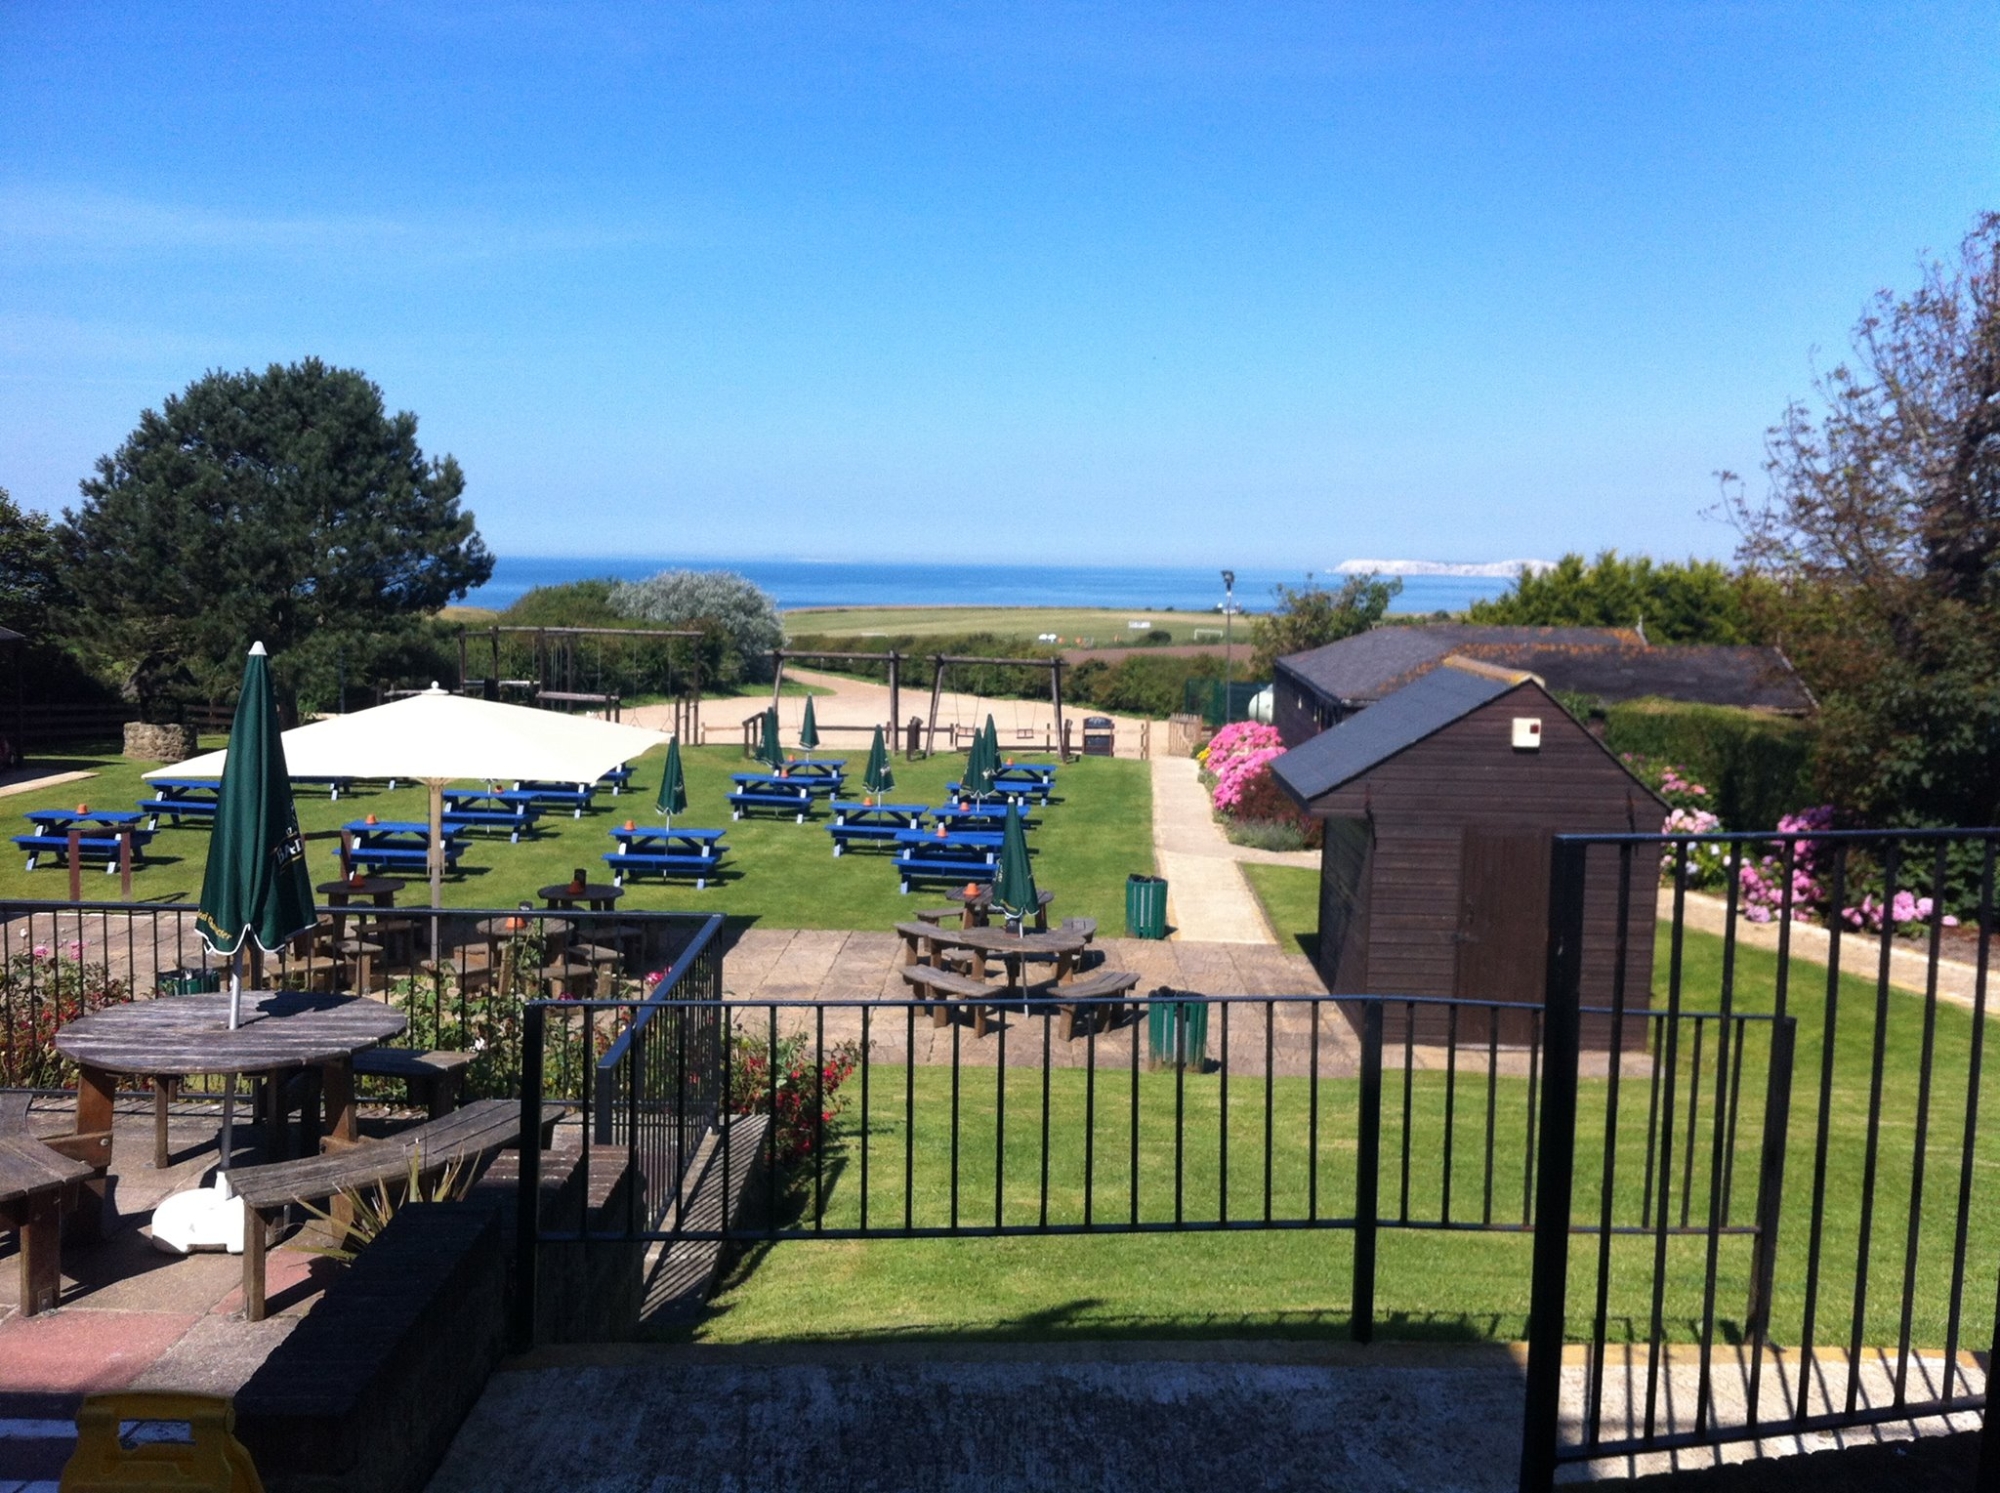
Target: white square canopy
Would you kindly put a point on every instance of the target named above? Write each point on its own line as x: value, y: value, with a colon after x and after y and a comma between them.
x: 439, y: 738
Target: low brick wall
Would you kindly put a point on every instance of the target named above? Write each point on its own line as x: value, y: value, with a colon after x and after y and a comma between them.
x: 367, y: 1392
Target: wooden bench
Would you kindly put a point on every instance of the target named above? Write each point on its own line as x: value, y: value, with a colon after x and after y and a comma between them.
x: 1083, y: 928
x: 942, y: 869
x: 798, y: 805
x: 177, y: 809
x: 468, y: 1137
x: 1094, y: 989
x: 88, y: 846
x: 436, y: 1080
x: 405, y: 855
x: 37, y: 1186
x: 935, y: 984
x: 665, y: 863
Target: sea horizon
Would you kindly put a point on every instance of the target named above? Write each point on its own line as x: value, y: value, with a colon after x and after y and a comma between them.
x: 812, y: 584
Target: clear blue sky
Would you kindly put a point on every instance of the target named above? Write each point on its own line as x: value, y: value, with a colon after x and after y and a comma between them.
x: 1253, y: 284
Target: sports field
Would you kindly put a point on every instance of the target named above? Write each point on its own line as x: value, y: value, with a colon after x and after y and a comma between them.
x: 1074, y: 628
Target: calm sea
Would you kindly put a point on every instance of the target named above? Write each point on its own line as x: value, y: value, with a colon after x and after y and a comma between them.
x: 803, y: 583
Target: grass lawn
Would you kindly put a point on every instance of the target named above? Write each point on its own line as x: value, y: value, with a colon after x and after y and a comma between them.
x: 777, y: 871
x: 1430, y: 1284
x: 1290, y: 895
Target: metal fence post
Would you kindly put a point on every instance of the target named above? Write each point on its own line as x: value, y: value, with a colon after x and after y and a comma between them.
x: 1771, y: 1177
x: 1367, y: 1175
x: 527, y: 1202
x: 1550, y: 1278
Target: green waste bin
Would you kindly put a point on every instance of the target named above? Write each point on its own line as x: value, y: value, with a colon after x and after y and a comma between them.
x: 190, y: 981
x: 1145, y: 906
x: 1177, y: 1033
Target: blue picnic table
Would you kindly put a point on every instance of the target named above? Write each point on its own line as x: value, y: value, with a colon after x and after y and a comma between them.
x: 978, y: 816
x: 576, y: 797
x: 400, y: 842
x: 771, y: 792
x: 493, y: 808
x: 668, y: 851
x: 923, y: 855
x: 617, y: 780
x: 334, y: 786
x: 100, y: 832
x: 1022, y: 792
x: 182, y: 798
x: 872, y: 822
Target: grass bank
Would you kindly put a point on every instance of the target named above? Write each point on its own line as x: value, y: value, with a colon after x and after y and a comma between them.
x: 1430, y: 1284
x: 1073, y: 626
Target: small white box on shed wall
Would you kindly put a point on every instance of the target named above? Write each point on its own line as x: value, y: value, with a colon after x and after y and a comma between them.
x: 1527, y: 733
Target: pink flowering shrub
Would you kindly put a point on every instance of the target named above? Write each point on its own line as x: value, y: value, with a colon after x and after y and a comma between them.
x: 1762, y: 884
x: 1239, y: 759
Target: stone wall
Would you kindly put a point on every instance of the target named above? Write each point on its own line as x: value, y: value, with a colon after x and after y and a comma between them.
x: 149, y: 743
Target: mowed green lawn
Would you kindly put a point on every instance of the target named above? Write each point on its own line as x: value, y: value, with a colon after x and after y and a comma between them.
x: 1430, y: 1284
x: 1290, y: 895
x: 776, y: 871
x: 1105, y: 629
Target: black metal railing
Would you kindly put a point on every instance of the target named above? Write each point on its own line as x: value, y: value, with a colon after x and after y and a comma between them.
x: 463, y: 976
x: 896, y: 1119
x: 1873, y: 1214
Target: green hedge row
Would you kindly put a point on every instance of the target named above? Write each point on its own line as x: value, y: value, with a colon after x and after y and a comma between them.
x: 1757, y: 768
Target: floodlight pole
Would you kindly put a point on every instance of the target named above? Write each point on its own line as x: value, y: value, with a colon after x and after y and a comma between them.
x: 1228, y: 638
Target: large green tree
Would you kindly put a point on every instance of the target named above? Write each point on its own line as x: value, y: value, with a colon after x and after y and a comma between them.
x: 1880, y: 538
x: 286, y: 505
x: 32, y: 597
x: 1695, y: 601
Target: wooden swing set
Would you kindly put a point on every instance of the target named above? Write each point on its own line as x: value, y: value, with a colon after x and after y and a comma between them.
x: 556, y: 664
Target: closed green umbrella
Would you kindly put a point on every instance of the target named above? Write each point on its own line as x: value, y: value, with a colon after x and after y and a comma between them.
x: 255, y: 884
x: 809, y: 730
x: 768, y: 751
x: 1014, y: 890
x: 992, y: 746
x: 878, y: 777
x: 673, y: 786
x: 979, y: 766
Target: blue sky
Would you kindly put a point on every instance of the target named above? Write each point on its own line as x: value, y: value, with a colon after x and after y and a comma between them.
x: 1264, y: 285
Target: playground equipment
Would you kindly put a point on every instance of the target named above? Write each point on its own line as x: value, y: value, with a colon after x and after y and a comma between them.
x: 942, y: 663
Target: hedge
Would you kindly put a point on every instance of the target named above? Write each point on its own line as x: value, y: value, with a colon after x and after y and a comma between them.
x: 1757, y: 767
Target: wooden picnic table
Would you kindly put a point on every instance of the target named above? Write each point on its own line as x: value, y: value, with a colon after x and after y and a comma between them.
x: 379, y: 890
x: 978, y: 906
x: 175, y: 1035
x: 566, y: 895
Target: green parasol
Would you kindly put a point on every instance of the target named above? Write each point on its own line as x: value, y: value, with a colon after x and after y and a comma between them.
x: 255, y: 885
x: 979, y: 765
x: 809, y: 728
x: 1014, y: 889
x: 878, y: 777
x: 992, y: 746
x: 768, y: 750
x: 673, y: 786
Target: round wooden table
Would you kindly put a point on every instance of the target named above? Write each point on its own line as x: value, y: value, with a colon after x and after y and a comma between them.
x: 175, y: 1035
x: 597, y: 896
x: 381, y: 890
x: 1065, y: 950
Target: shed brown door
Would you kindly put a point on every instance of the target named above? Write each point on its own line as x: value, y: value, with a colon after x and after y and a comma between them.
x: 1503, y: 911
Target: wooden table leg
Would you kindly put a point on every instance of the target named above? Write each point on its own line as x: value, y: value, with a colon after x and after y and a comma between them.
x: 41, y: 1254
x: 91, y: 1144
x: 164, y: 1088
x: 342, y: 1126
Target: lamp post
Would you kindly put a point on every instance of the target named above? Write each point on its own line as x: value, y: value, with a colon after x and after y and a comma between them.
x: 1228, y: 638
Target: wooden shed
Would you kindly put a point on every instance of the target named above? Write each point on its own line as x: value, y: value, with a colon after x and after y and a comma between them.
x: 1440, y: 803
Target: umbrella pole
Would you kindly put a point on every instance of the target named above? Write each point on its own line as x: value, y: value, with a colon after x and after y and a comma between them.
x: 229, y: 1084
x: 437, y: 858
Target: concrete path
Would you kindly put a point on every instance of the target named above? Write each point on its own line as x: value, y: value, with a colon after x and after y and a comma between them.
x: 1150, y: 1417
x: 1207, y: 898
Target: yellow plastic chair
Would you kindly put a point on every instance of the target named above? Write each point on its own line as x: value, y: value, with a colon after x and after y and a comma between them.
x: 151, y: 1443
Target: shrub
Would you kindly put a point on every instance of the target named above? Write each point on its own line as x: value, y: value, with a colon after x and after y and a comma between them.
x: 781, y: 1080
x: 1756, y: 767
x: 743, y: 613
x: 42, y: 991
x: 1267, y: 834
